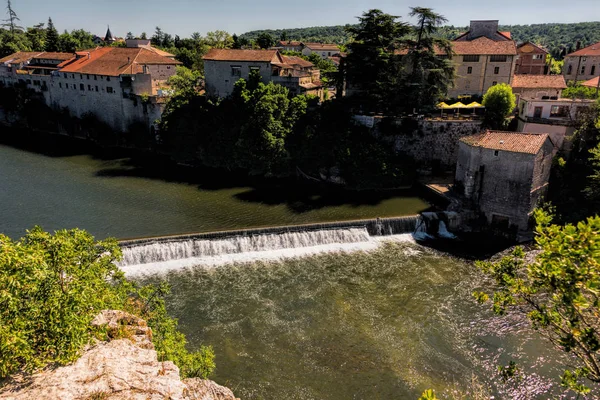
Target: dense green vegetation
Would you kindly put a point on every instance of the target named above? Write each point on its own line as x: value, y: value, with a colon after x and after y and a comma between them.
x: 51, y: 288
x: 557, y: 292
x: 499, y: 102
x: 555, y: 37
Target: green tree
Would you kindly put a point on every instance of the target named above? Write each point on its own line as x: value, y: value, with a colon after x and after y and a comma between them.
x: 429, y: 75
x: 219, y: 40
x: 578, y: 91
x: 265, y: 41
x: 143, y: 36
x: 559, y: 292
x: 499, y: 102
x: 67, y: 43
x: 129, y: 36
x: 52, y: 38
x: 372, y: 68
x: 52, y: 286
x: 37, y: 36
x: 157, y: 38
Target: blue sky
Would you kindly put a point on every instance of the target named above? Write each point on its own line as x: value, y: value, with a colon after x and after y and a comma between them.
x: 183, y: 17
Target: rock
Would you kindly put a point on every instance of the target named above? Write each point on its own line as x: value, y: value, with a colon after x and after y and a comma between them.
x: 117, y: 370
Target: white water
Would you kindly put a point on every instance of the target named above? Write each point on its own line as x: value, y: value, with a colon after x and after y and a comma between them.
x: 260, y: 248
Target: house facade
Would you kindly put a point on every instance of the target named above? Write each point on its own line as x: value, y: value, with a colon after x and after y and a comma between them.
x: 583, y: 64
x: 538, y: 86
x: 555, y: 117
x: 290, y: 46
x: 504, y: 175
x: 531, y: 59
x: 120, y: 86
x: 224, y: 67
x: 484, y: 57
x: 324, y: 50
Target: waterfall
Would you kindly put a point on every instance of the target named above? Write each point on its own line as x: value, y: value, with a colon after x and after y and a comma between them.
x: 432, y: 225
x: 161, y: 250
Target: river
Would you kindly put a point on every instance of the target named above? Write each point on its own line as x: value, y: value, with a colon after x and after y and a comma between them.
x: 116, y: 197
x: 383, y: 322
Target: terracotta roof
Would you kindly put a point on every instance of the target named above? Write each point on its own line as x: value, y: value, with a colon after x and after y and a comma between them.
x: 516, y: 142
x: 241, y: 55
x: 114, y: 61
x: 20, y: 57
x: 55, y: 56
x: 298, y: 61
x: 483, y: 45
x: 592, y: 82
x: 539, y: 81
x: 507, y: 34
x: 289, y: 43
x: 322, y: 46
x: 536, y: 46
x: 593, y: 50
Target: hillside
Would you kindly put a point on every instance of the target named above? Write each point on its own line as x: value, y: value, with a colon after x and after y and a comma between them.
x: 555, y: 37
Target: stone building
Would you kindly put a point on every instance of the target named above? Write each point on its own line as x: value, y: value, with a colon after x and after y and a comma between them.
x: 290, y: 45
x: 483, y: 58
x: 324, y: 50
x: 504, y: 175
x: 583, y: 64
x: 538, y: 86
x: 531, y: 59
x: 224, y: 67
x: 120, y: 86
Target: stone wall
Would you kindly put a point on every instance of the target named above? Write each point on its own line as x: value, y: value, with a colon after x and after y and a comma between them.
x: 219, y: 79
x: 435, y: 143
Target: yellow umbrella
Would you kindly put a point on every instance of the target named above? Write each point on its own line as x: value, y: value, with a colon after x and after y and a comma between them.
x: 443, y: 105
x: 457, y: 105
x: 474, y: 105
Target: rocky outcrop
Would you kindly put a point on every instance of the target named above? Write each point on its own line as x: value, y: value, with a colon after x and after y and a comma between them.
x: 123, y: 368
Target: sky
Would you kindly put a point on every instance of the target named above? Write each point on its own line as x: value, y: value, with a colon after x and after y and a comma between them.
x: 182, y: 17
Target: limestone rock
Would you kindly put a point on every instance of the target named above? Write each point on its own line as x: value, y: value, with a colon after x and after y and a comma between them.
x: 117, y: 370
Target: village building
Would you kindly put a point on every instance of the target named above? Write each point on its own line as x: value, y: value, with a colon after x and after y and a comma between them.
x: 324, y: 50
x: 555, y: 117
x: 503, y: 176
x: 484, y: 57
x: 224, y: 67
x: 290, y: 45
x: 120, y: 86
x: 538, y: 86
x: 531, y: 59
x: 583, y: 64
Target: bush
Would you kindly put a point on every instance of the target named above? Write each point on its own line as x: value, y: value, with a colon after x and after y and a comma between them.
x: 499, y: 102
x: 51, y: 288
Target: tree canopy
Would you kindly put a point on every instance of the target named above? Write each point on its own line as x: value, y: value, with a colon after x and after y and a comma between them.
x: 499, y: 102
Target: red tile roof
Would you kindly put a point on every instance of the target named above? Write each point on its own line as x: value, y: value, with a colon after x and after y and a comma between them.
x: 322, y: 46
x: 114, y: 61
x: 19, y: 57
x: 507, y: 34
x: 55, y: 56
x: 592, y: 82
x: 297, y: 61
x: 539, y: 48
x: 483, y: 45
x: 593, y: 50
x: 289, y: 43
x: 242, y: 55
x: 539, y: 81
x: 516, y: 142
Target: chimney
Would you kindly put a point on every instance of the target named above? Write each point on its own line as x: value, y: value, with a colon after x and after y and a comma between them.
x: 486, y: 28
x: 88, y: 54
x: 128, y: 60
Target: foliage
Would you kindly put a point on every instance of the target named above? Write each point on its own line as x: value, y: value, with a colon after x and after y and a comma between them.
x: 559, y: 291
x: 555, y: 65
x: 265, y: 40
x: 51, y: 43
x: 577, y: 91
x: 11, y: 21
x: 428, y: 395
x: 499, y: 102
x: 52, y: 286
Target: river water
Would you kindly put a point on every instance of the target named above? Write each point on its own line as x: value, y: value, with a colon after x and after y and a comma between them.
x: 383, y: 322
x: 115, y: 197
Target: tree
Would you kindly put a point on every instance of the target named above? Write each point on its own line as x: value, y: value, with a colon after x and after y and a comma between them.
x: 37, y: 36
x: 429, y: 75
x: 52, y: 39
x: 265, y: 41
x: 558, y: 292
x: 52, y: 286
x: 143, y: 36
x: 373, y: 69
x: 499, y: 102
x: 219, y: 40
x: 11, y: 21
x: 158, y: 36
x: 129, y: 36
x: 67, y: 43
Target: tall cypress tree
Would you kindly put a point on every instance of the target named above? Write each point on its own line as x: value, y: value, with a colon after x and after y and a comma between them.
x: 52, y: 41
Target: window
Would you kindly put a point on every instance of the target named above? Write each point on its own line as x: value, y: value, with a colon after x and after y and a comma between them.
x: 583, y: 59
x: 494, y: 83
x: 593, y: 70
x: 73, y: 76
x: 254, y: 68
x: 583, y: 70
x: 95, y: 77
x: 87, y: 76
x: 538, y: 56
x: 496, y: 153
x: 236, y: 71
x: 81, y: 86
x: 498, y: 58
x: 496, y: 70
x: 65, y: 75
x: 559, y: 111
x: 469, y: 70
x: 97, y: 89
x: 570, y: 70
x: 168, y: 67
x: 80, y: 76
x: 109, y: 90
x: 471, y: 58
x: 90, y: 88
x: 60, y: 85
x: 108, y: 78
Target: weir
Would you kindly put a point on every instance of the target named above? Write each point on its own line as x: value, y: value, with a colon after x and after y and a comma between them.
x: 215, y: 244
